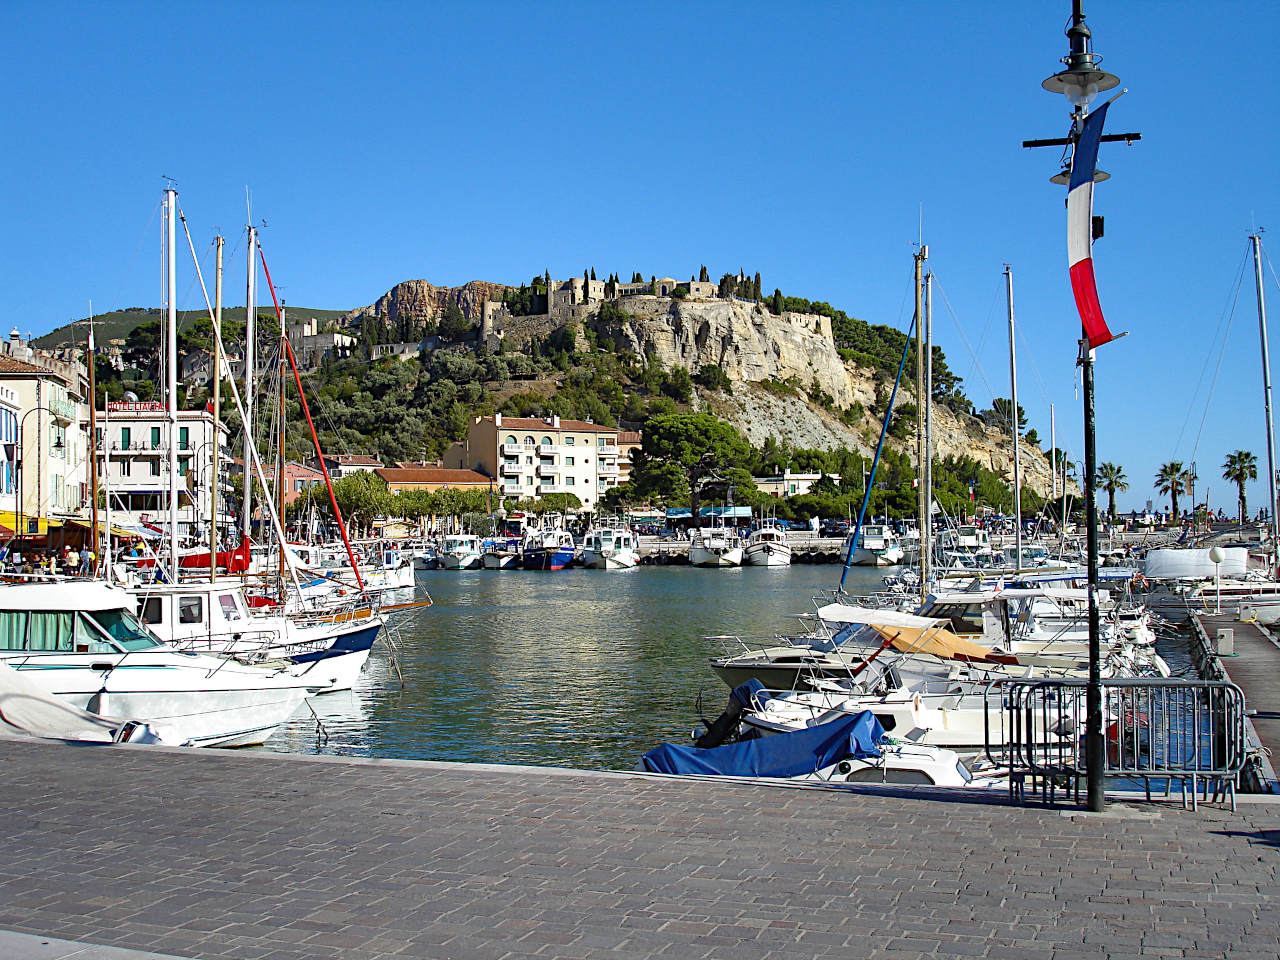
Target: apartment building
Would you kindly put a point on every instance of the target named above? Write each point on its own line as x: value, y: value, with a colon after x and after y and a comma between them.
x: 532, y: 457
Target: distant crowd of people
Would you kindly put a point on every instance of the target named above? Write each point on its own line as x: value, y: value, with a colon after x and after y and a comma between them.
x: 67, y: 562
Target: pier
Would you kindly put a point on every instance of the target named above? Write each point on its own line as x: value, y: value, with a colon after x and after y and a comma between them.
x: 1255, y: 667
x: 236, y: 856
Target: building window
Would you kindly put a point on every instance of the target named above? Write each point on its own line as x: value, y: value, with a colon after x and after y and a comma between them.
x: 569, y: 481
x: 509, y: 440
x: 530, y: 459
x: 528, y: 481
x: 568, y: 441
x: 528, y: 441
x: 155, y: 466
x: 155, y: 438
x: 124, y: 438
x: 568, y: 461
x: 546, y: 441
x: 125, y: 465
x: 184, y: 438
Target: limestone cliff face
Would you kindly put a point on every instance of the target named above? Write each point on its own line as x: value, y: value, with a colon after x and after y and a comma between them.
x: 752, y: 345
x: 744, y: 339
x: 421, y: 302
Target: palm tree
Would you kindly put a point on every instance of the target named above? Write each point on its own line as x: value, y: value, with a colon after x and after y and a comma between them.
x: 1113, y: 481
x: 1171, y: 479
x: 1240, y: 467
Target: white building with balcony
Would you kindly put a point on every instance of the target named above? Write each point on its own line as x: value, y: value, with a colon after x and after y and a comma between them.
x: 533, y: 457
x: 48, y: 453
x: 133, y: 457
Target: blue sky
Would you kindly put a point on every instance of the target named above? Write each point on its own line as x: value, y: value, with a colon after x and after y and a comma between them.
x: 388, y: 141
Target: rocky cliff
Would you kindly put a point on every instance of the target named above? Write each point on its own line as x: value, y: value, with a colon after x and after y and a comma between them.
x: 780, y: 366
x: 743, y: 339
x: 420, y: 302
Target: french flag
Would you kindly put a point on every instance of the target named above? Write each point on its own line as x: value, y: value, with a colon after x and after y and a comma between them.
x: 1084, y: 162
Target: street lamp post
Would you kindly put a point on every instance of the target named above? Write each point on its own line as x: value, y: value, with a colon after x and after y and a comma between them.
x: 1080, y: 82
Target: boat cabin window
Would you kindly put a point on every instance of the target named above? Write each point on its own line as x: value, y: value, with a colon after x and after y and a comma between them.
x: 150, y: 610
x: 227, y: 602
x: 191, y: 609
x: 123, y: 628
x: 964, y: 617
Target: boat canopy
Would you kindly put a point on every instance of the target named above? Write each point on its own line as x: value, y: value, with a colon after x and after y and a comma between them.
x: 934, y: 642
x: 848, y: 613
x: 65, y: 596
x: 780, y: 755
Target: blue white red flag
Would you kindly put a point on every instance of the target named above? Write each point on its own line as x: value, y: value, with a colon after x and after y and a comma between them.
x: 1084, y: 162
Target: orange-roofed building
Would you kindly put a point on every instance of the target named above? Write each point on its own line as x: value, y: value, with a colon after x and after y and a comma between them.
x: 432, y: 478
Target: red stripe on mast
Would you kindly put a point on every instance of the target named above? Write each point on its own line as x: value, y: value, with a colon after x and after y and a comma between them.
x: 342, y: 527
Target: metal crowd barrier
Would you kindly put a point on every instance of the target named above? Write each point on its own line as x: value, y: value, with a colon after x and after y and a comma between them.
x: 1189, y: 732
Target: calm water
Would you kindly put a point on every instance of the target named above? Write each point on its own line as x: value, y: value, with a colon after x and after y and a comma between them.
x: 581, y: 668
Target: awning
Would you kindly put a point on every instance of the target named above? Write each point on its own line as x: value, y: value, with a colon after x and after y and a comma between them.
x: 684, y: 513
x: 934, y: 642
x: 115, y: 530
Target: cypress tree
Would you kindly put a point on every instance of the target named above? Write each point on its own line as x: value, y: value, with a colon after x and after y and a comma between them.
x: 755, y: 288
x: 776, y: 306
x: 593, y: 273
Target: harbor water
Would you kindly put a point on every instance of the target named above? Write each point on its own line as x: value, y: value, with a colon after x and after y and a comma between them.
x: 579, y: 668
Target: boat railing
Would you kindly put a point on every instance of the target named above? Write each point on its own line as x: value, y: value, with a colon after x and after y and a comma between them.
x: 733, y: 644
x: 1188, y: 732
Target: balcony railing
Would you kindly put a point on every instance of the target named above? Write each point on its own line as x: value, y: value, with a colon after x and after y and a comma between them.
x: 510, y: 469
x: 550, y: 488
x: 511, y: 486
x: 548, y: 469
x: 608, y: 469
x: 511, y: 449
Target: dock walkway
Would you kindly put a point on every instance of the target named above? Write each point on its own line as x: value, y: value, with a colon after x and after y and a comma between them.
x: 257, y: 856
x: 1255, y: 668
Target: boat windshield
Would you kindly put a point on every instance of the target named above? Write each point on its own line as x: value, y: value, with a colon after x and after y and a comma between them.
x: 124, y: 629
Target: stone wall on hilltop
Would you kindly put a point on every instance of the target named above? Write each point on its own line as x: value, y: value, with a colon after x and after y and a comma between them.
x: 421, y: 302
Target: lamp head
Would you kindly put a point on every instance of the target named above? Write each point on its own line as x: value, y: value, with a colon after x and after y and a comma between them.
x: 1083, y: 79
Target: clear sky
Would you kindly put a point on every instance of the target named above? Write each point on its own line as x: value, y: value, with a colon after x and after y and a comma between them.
x: 389, y: 141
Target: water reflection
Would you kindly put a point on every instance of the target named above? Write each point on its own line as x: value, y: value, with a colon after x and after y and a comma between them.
x: 582, y: 668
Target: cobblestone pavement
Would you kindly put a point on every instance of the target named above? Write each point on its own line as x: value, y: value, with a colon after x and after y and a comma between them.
x: 216, y: 854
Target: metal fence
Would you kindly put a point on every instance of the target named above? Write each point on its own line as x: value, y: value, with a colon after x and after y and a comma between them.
x: 1185, y: 732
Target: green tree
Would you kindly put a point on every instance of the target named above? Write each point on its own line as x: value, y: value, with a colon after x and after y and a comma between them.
x: 1172, y: 479
x: 1113, y: 481
x: 681, y: 452
x: 453, y: 324
x: 755, y: 288
x: 362, y: 497
x: 1240, y: 467
x: 776, y: 305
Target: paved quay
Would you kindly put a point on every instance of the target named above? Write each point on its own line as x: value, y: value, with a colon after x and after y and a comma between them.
x: 222, y: 854
x: 1255, y: 667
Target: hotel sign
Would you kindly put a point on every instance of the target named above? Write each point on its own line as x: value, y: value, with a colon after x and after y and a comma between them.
x: 137, y: 406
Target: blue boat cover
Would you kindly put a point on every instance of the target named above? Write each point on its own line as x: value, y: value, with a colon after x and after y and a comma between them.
x: 780, y: 755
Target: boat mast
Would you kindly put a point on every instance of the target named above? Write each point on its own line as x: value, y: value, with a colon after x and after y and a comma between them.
x: 1256, y: 240
x: 106, y: 481
x: 280, y: 479
x: 921, y: 256
x: 250, y: 309
x: 217, y: 411
x: 1013, y: 420
x: 928, y: 413
x: 93, y: 444
x: 171, y: 368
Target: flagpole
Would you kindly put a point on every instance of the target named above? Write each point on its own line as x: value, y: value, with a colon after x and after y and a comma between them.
x: 1093, y: 744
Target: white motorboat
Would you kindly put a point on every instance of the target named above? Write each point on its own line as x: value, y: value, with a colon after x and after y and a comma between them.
x: 80, y: 641
x: 460, y: 551
x: 610, y: 547
x: 329, y: 650
x: 715, y: 547
x: 502, y: 554
x: 877, y: 546
x: 767, y: 547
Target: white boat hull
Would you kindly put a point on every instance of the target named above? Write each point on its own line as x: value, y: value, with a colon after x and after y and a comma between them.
x: 500, y: 561
x: 610, y: 560
x: 700, y: 556
x: 884, y: 557
x: 767, y: 555
x: 464, y: 561
x: 207, y: 702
